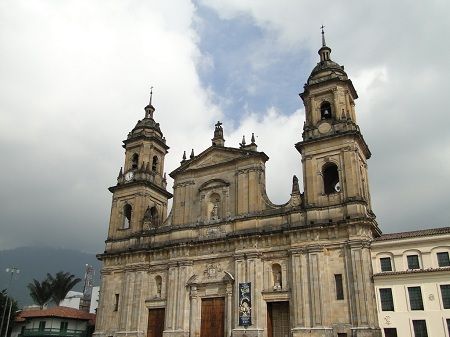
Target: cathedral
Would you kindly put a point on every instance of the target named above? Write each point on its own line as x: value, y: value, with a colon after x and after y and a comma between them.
x: 227, y: 262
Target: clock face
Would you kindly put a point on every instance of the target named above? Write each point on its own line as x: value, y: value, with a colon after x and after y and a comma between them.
x: 129, y: 175
x: 324, y: 127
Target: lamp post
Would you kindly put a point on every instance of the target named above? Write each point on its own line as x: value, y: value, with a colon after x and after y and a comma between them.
x: 12, y: 271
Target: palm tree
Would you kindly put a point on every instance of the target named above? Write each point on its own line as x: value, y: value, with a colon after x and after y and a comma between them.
x: 41, y: 293
x: 61, y: 284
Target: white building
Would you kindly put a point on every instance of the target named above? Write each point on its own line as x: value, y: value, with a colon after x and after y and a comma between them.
x: 74, y: 299
x: 412, y: 283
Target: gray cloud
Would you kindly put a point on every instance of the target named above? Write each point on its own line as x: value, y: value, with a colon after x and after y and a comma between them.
x: 75, y: 77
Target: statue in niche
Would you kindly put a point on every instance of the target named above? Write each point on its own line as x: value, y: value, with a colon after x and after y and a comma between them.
x: 151, y: 219
x: 214, y: 212
x: 158, y: 281
x: 276, y: 272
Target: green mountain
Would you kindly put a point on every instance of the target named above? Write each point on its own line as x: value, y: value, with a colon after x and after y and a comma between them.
x: 36, y: 262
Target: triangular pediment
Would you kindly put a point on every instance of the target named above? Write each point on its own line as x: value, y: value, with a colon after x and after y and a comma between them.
x: 215, y: 156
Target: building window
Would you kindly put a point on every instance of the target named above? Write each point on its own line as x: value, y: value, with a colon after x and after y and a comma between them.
x: 387, y: 302
x: 390, y: 332
x: 127, y: 212
x: 155, y: 164
x: 325, y: 110
x: 339, y: 286
x: 331, y: 179
x: 415, y: 298
x: 413, y: 261
x: 41, y: 325
x: 116, y: 302
x: 443, y: 259
x: 420, y: 328
x: 448, y: 326
x: 445, y: 292
x: 385, y: 263
x: 342, y: 334
x: 63, y: 326
x: 135, y: 161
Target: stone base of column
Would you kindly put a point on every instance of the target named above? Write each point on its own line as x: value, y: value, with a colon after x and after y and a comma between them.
x: 366, y: 332
x: 128, y: 334
x: 249, y: 332
x: 176, y: 333
x: 312, y: 332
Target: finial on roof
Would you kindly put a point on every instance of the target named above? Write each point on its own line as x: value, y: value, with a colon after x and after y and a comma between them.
x: 184, y: 155
x: 323, y: 36
x: 324, y: 51
x: 242, y: 144
x: 151, y: 95
x: 218, y: 139
x: 149, y: 109
x: 253, y: 138
x: 295, y: 187
x: 192, y: 154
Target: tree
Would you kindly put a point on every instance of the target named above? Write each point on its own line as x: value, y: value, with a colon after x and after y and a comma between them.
x: 40, y: 292
x: 61, y: 284
x: 8, y: 306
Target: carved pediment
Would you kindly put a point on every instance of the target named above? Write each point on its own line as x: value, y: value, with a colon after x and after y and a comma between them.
x: 216, y: 156
x: 212, y: 274
x: 213, y: 158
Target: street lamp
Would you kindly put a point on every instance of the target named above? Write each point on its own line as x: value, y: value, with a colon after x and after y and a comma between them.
x: 12, y: 271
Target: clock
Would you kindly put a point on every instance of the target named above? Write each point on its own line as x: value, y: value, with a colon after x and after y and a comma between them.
x: 129, y: 175
x: 324, y: 127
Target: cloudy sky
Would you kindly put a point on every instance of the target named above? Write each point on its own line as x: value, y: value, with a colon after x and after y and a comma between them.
x: 75, y: 77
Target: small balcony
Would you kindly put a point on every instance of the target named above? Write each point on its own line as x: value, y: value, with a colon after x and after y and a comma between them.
x: 52, y: 332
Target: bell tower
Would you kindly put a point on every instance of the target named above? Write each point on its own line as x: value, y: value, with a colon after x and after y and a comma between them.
x: 140, y: 196
x: 334, y: 153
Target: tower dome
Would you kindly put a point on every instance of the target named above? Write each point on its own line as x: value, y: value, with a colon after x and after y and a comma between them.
x: 326, y: 69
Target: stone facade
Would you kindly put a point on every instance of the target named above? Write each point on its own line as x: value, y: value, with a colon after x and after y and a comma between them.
x: 307, y: 262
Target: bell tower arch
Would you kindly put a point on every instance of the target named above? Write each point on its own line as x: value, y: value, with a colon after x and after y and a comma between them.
x: 140, y: 196
x: 334, y: 152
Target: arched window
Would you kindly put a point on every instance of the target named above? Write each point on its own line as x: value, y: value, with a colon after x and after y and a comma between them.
x: 325, y: 110
x: 127, y: 211
x: 154, y: 216
x: 331, y: 179
x: 155, y: 164
x: 158, y: 283
x: 135, y: 161
x: 276, y: 276
x: 214, y: 206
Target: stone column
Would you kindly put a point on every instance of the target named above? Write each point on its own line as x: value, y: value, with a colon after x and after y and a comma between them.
x: 229, y: 306
x: 194, y: 330
x: 172, y: 297
x: 240, y: 272
x: 296, y: 286
x: 101, y: 303
x: 315, y: 289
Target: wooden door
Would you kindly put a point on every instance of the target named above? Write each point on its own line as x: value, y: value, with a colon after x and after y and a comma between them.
x: 278, y: 319
x: 213, y: 317
x: 155, y: 326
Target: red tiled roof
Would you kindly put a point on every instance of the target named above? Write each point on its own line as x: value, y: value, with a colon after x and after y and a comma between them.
x: 412, y: 234
x: 62, y: 312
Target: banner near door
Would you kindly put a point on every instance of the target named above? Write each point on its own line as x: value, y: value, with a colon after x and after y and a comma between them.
x: 245, y: 304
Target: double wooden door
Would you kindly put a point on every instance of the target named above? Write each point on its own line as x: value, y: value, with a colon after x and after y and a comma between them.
x: 278, y: 319
x: 213, y: 317
x: 155, y: 326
